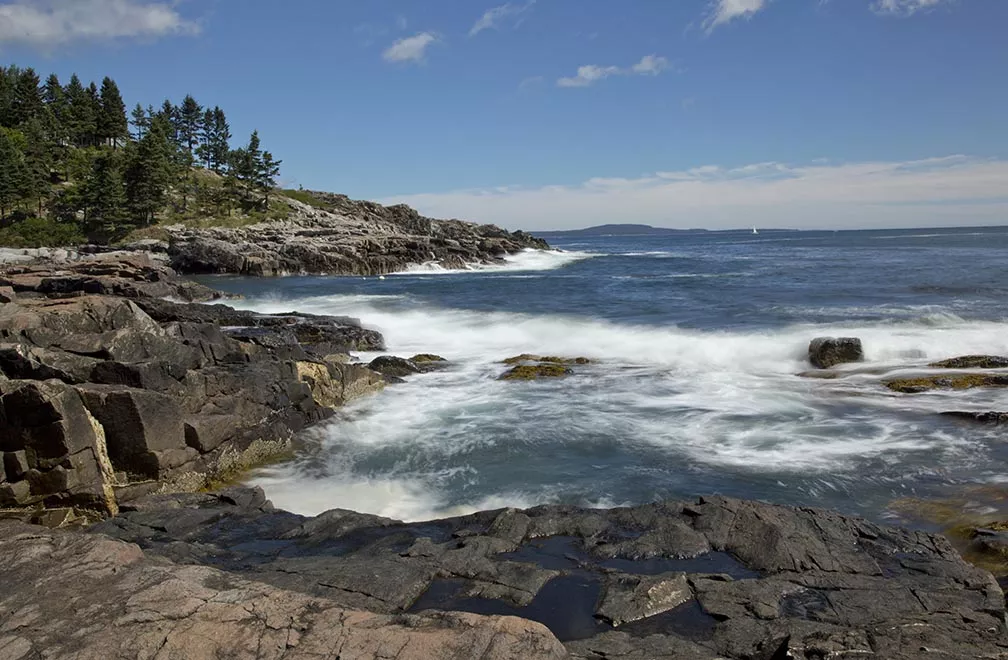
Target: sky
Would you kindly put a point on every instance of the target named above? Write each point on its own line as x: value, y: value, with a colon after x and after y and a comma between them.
x: 557, y: 114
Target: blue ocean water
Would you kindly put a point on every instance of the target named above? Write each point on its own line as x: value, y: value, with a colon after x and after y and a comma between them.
x: 696, y: 341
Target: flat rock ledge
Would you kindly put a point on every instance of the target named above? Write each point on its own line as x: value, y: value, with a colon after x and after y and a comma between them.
x: 227, y: 575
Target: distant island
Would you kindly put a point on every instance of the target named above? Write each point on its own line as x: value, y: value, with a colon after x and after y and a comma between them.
x: 619, y: 230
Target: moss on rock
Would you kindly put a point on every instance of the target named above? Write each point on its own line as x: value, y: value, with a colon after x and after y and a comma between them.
x: 535, y: 372
x: 939, y: 382
x: 972, y: 362
x: 425, y: 358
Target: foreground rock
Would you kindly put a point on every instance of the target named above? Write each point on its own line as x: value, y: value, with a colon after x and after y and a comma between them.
x: 104, y: 398
x: 88, y: 597
x: 339, y: 236
x: 715, y: 578
x: 942, y: 382
x: 826, y: 352
x: 972, y: 362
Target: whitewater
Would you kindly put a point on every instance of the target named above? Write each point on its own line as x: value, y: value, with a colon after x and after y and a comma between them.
x: 697, y: 343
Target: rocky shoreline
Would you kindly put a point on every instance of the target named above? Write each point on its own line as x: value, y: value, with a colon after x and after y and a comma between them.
x: 127, y: 394
x: 335, y: 235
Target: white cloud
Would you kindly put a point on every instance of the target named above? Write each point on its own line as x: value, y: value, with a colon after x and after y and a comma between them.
x: 726, y: 11
x: 904, y: 7
x: 649, y: 65
x: 950, y: 191
x: 58, y: 22
x: 410, y: 49
x: 491, y: 18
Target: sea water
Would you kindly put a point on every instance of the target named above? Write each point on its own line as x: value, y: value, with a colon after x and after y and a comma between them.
x: 696, y: 341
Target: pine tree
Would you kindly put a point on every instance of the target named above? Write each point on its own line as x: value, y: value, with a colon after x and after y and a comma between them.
x: 148, y: 172
x: 104, y: 198
x: 38, y: 161
x: 206, y: 138
x: 190, y: 115
x: 269, y: 170
x: 11, y: 172
x: 220, y: 145
x: 112, y: 125
x: 95, y: 113
x: 27, y: 97
x: 141, y: 122
x: 8, y: 82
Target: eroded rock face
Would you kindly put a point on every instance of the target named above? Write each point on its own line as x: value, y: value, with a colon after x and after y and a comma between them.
x: 103, y: 401
x: 88, y: 597
x: 717, y: 578
x: 340, y: 236
x: 826, y: 352
x: 972, y: 362
x: 964, y: 381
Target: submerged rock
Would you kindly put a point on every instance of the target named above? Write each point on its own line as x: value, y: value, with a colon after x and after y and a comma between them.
x: 535, y: 372
x: 826, y: 352
x: 994, y: 418
x: 942, y: 382
x: 972, y: 362
x: 391, y: 366
x: 528, y: 357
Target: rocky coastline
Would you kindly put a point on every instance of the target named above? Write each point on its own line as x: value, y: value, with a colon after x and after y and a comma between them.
x: 130, y: 397
x: 335, y: 235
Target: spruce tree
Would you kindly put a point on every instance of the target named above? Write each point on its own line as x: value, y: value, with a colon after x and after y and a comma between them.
x: 95, y: 115
x: 220, y: 145
x: 11, y: 172
x: 205, y: 139
x: 140, y: 122
x: 112, y: 125
x: 27, y: 97
x: 269, y: 170
x: 38, y: 161
x: 190, y: 115
x: 148, y: 172
x: 7, y: 85
x: 104, y: 198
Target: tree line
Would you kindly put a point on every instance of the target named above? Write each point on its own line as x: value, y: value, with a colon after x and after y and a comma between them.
x: 71, y: 157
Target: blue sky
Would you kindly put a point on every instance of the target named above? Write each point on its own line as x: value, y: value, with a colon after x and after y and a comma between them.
x: 563, y: 113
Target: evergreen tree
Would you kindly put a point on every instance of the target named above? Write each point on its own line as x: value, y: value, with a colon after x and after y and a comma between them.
x: 95, y: 113
x: 190, y: 121
x: 203, y: 151
x: 269, y: 170
x: 112, y: 125
x: 7, y: 84
x: 220, y: 143
x: 11, y: 171
x: 148, y: 172
x: 38, y: 161
x: 140, y: 121
x: 27, y: 97
x: 80, y: 120
x: 171, y: 114
x: 104, y: 198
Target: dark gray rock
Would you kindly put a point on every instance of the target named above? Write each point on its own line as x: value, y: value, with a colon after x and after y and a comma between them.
x: 393, y: 367
x: 826, y: 352
x: 972, y: 362
x: 747, y: 580
x: 993, y: 418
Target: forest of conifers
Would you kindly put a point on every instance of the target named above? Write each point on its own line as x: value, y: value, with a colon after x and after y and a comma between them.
x: 74, y: 167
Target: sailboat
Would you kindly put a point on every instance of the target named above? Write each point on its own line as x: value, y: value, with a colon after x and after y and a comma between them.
x: 754, y: 230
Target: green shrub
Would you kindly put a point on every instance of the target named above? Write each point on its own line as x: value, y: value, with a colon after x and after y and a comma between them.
x: 40, y: 232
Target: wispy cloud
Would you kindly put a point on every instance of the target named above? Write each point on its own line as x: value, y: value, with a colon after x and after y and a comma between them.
x: 955, y: 190
x: 410, y: 49
x: 493, y: 17
x: 48, y: 23
x: 905, y: 7
x: 726, y: 11
x: 649, y: 65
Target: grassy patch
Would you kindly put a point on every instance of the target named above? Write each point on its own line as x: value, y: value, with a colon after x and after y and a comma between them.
x: 305, y: 197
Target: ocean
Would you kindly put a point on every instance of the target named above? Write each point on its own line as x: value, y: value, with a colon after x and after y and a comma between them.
x: 696, y: 341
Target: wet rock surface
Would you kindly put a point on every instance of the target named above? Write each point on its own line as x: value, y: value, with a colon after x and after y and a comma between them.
x: 713, y: 578
x: 964, y: 381
x: 108, y: 392
x: 972, y: 362
x: 339, y: 236
x: 826, y: 352
x: 88, y: 597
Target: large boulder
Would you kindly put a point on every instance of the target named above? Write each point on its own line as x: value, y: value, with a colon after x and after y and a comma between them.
x: 145, y: 432
x: 391, y: 366
x: 54, y: 445
x: 826, y: 352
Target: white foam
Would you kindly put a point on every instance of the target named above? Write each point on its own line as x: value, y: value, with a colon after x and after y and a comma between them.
x: 526, y: 260
x: 730, y: 400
